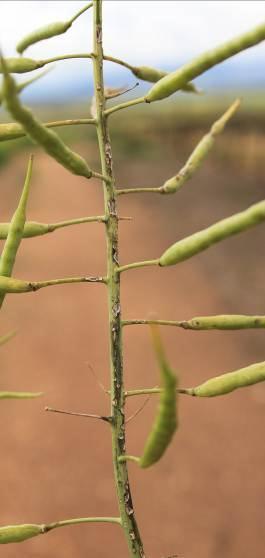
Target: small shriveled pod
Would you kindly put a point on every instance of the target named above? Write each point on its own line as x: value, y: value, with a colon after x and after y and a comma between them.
x: 197, y: 242
x: 200, y: 152
x: 226, y: 383
x: 50, y: 142
x: 175, y: 81
x: 166, y: 421
x: 20, y: 533
x: 48, y: 31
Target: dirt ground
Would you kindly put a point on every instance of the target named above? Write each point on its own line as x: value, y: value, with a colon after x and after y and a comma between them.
x: 205, y: 498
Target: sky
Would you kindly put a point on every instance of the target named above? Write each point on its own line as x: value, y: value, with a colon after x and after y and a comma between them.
x: 161, y: 33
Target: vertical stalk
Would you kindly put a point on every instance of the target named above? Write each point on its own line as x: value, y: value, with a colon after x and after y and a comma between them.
x: 128, y: 521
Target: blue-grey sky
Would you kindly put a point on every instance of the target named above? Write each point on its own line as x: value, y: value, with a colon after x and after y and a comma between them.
x: 155, y: 32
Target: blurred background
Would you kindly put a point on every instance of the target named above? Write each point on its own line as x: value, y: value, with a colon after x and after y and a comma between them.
x: 206, y: 497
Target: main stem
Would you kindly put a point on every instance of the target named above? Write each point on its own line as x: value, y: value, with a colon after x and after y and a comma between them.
x: 128, y: 521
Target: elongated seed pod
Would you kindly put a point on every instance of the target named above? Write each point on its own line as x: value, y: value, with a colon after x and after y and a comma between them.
x: 19, y: 395
x: 50, y: 142
x: 176, y: 80
x: 153, y: 75
x: 33, y: 228
x: 200, y: 152
x: 166, y: 421
x: 20, y: 533
x: 195, y: 243
x: 220, y: 385
x: 224, y: 322
x: 16, y: 227
x: 21, y: 65
x: 48, y: 31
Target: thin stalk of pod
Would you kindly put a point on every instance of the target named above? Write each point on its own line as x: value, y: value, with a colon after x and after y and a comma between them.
x: 166, y: 421
x: 23, y: 65
x: 19, y: 533
x: 191, y: 245
x: 50, y: 142
x: 174, y: 81
x: 221, y: 385
x: 15, y: 231
x: 19, y: 395
x: 12, y: 130
x: 33, y: 228
x: 23, y: 84
x: 200, y: 323
x: 10, y: 285
x: 195, y: 160
x: 147, y: 73
x: 48, y: 31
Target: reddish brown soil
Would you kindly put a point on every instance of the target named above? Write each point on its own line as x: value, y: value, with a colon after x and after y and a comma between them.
x: 205, y: 499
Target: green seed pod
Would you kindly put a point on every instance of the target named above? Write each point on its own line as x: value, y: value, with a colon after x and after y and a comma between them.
x: 21, y: 65
x: 48, y: 31
x: 18, y: 395
x: 31, y: 229
x: 5, y: 129
x: 220, y: 385
x: 224, y: 322
x: 50, y: 142
x: 16, y: 228
x: 200, y: 152
x: 166, y: 421
x: 19, y: 533
x: 195, y: 243
x: 177, y: 80
x: 153, y: 75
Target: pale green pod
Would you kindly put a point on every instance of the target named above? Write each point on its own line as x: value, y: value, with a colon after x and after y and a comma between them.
x: 200, y: 152
x: 146, y: 73
x: 21, y: 65
x: 176, y: 80
x: 226, y: 383
x: 20, y: 533
x: 166, y: 421
x: 31, y: 229
x: 48, y: 31
x: 195, y: 243
x: 224, y: 322
x: 50, y: 142
x: 16, y: 228
x: 19, y: 395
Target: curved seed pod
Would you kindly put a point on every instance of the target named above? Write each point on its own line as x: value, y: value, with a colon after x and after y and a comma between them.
x: 200, y: 152
x: 224, y: 322
x: 195, y: 243
x: 21, y: 65
x: 166, y: 421
x: 16, y: 227
x: 19, y: 533
x: 48, y: 31
x: 153, y: 75
x: 176, y: 80
x: 50, y: 142
x: 220, y: 385
x: 19, y: 395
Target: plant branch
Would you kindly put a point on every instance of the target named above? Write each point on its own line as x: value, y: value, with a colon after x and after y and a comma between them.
x: 131, y: 103
x: 221, y: 322
x: 136, y: 265
x: 77, y: 521
x: 77, y: 414
x: 13, y: 130
x: 123, y: 492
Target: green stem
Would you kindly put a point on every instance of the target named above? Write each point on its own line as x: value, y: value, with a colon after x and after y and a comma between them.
x: 19, y: 395
x: 123, y: 492
x: 79, y: 520
x: 221, y: 322
x: 131, y: 103
x: 148, y: 322
x: 13, y: 130
x: 140, y: 191
x: 64, y: 57
x: 36, y: 285
x: 129, y: 458
x: 135, y: 265
x: 151, y: 391
x: 61, y: 224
